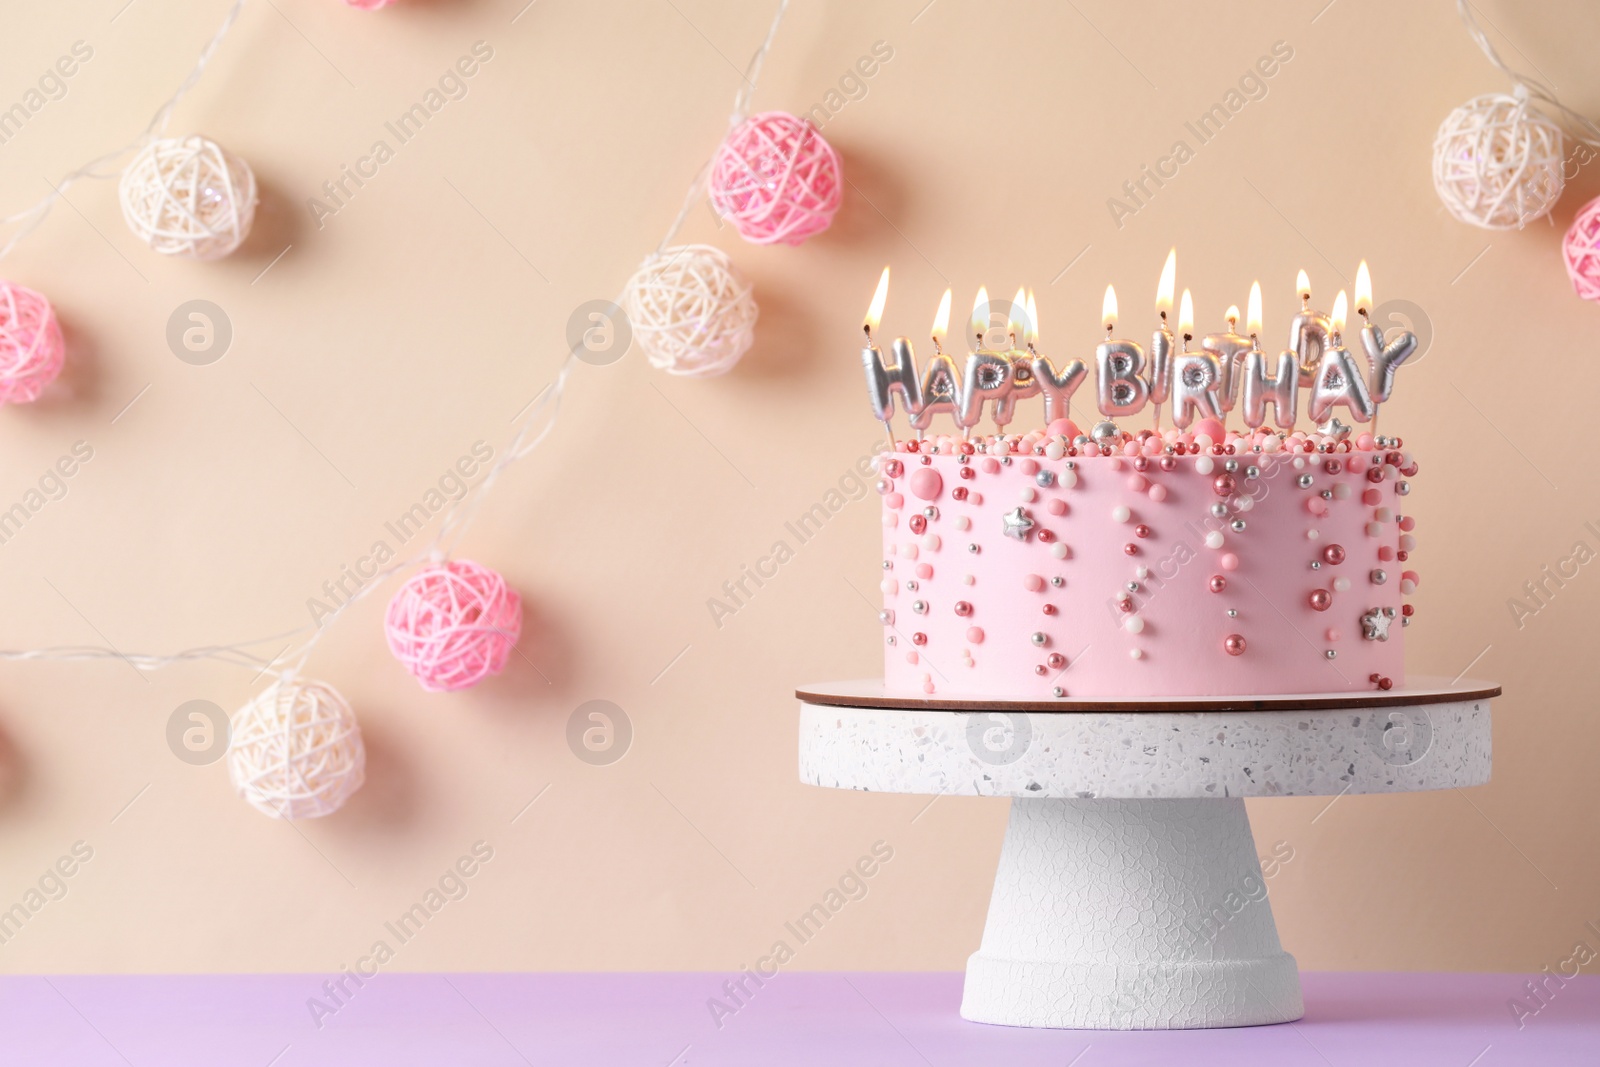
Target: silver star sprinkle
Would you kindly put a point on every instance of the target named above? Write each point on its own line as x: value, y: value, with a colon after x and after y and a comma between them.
x: 1375, y: 624
x: 1016, y: 524
x: 1335, y: 429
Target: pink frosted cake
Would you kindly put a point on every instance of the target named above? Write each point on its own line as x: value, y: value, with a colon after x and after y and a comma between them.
x: 1260, y: 565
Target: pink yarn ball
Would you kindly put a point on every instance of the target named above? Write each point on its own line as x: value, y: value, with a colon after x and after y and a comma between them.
x: 1581, y: 251
x: 776, y: 179
x: 453, y: 624
x: 31, y: 349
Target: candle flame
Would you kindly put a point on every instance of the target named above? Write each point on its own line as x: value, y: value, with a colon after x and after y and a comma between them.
x: 1186, y: 313
x: 1302, y: 284
x: 941, y: 321
x: 1232, y: 316
x: 1363, y: 288
x: 1254, y: 320
x: 1108, y: 308
x: 879, y: 298
x: 1340, y: 305
x: 980, y: 311
x: 1017, y: 317
x: 1033, y: 320
x: 1169, y: 277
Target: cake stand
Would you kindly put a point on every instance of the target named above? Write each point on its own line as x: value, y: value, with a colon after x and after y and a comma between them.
x: 1129, y: 893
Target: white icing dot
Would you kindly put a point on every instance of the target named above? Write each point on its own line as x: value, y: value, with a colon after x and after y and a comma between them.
x: 1141, y: 571
x: 1214, y: 539
x: 1203, y: 465
x: 1313, y: 533
x: 1341, y: 585
x: 908, y: 551
x: 1299, y: 463
x: 967, y: 579
x: 1068, y: 479
x: 1121, y: 513
x: 1059, y: 550
x: 1029, y: 494
x: 1136, y: 653
x: 931, y: 542
x: 963, y: 523
x: 1245, y: 502
x: 1133, y: 624
x: 890, y: 520
x: 889, y: 586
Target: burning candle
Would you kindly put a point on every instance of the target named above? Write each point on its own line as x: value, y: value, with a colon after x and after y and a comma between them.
x: 988, y: 373
x: 1257, y: 390
x: 1161, y: 341
x: 941, y: 382
x: 1308, y: 332
x: 899, y: 375
x: 1195, y: 378
x: 1021, y: 382
x: 1057, y: 389
x: 1229, y: 350
x: 1123, y: 389
x: 1338, y: 380
x: 1385, y: 358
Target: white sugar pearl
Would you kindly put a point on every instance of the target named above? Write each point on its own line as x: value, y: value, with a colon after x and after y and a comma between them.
x: 1374, y: 529
x: 1141, y: 572
x: 1029, y: 494
x: 1203, y: 465
x: 1341, y: 585
x: 1341, y: 491
x: 889, y: 586
x: 890, y: 520
x: 1271, y: 444
x: 1133, y: 624
x: 1384, y: 515
x: 1407, y: 542
x: 1136, y: 653
x: 1058, y: 550
x: 1214, y: 539
x: 931, y: 542
x: 908, y: 551
x: 967, y: 579
x: 1054, y: 450
x: 1313, y: 534
x: 1246, y: 502
x: 1068, y: 479
x: 1204, y: 441
x: 1407, y: 586
x: 963, y: 523
x: 1121, y: 513
x: 1299, y: 463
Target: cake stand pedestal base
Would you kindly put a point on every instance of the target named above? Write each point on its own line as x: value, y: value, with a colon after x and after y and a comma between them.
x: 1190, y: 940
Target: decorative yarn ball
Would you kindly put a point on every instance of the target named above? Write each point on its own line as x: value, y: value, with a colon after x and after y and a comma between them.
x: 776, y: 179
x: 1497, y: 162
x: 188, y: 196
x: 691, y: 311
x: 295, y: 751
x: 31, y: 349
x: 453, y: 624
x: 1581, y: 251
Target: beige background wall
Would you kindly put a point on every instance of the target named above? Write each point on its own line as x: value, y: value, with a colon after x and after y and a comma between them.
x: 432, y: 307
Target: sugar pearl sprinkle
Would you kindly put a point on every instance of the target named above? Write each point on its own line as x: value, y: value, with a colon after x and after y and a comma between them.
x: 1179, y: 491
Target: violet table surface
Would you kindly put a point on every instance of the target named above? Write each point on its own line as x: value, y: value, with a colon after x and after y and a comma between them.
x: 661, y: 1020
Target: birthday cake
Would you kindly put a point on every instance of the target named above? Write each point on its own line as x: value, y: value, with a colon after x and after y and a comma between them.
x: 1192, y: 560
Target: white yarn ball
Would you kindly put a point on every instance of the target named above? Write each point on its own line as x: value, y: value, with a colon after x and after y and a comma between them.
x: 692, y: 312
x: 1497, y: 162
x: 295, y: 751
x: 188, y: 196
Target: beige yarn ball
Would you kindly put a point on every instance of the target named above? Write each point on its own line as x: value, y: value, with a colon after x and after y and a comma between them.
x: 295, y: 751
x: 188, y: 196
x: 692, y: 312
x: 1497, y: 162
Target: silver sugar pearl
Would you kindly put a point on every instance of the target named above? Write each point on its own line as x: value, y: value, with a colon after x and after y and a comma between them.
x: 886, y: 617
x: 911, y: 584
x: 1231, y: 466
x: 1045, y: 478
x: 891, y: 639
x: 1316, y: 565
x: 888, y: 564
x: 1332, y: 653
x: 919, y: 606
x: 1133, y: 587
x: 1405, y: 621
x: 1058, y: 581
x: 1038, y: 638
x: 1252, y: 471
x: 1238, y: 525
x: 1304, y: 481
x: 1058, y: 691
x: 1379, y: 576
x: 1072, y: 465
x: 1402, y: 488
x: 1105, y: 431
x: 1220, y: 510
x: 883, y: 485
x: 930, y: 512
x: 1327, y: 494
x: 973, y: 548
x: 1233, y: 613
x: 1005, y: 460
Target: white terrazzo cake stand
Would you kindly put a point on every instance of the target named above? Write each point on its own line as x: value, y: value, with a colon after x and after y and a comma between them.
x: 1129, y: 894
